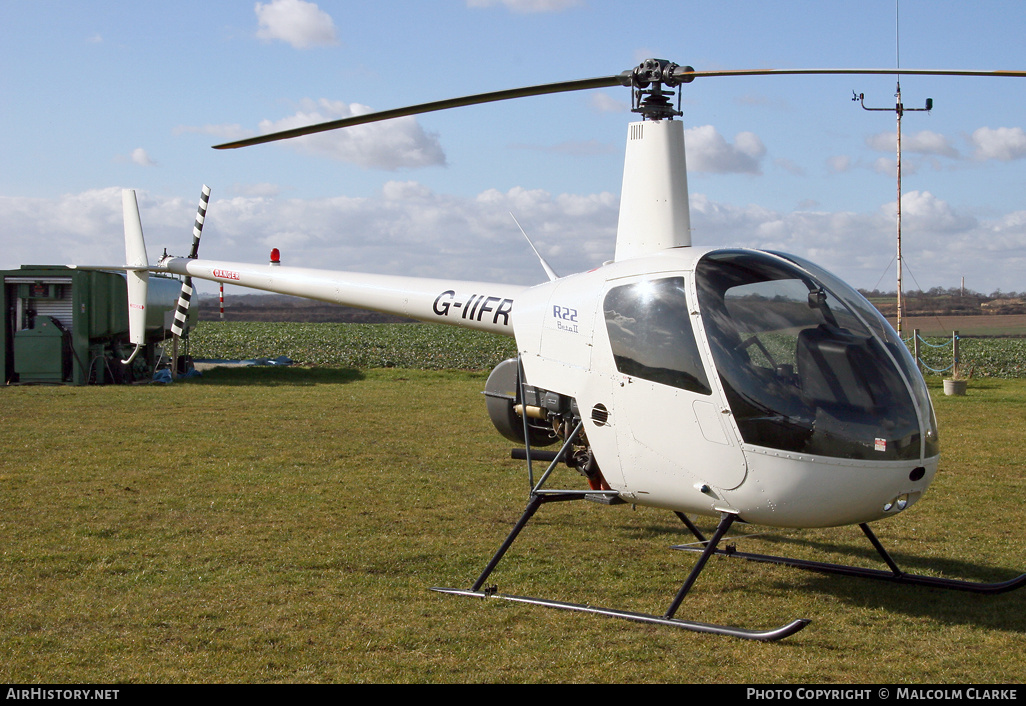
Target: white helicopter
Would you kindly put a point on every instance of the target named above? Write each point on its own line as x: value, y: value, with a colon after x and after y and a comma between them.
x: 740, y: 384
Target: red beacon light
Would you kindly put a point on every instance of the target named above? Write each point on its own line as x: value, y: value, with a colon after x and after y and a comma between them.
x: 275, y: 256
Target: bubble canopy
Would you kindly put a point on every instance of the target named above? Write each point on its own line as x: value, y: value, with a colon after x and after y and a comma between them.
x: 807, y: 364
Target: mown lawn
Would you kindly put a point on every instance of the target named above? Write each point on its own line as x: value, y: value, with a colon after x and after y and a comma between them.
x: 286, y: 525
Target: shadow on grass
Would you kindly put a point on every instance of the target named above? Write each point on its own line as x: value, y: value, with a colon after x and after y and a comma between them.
x: 847, y: 549
x: 273, y: 376
x: 1006, y: 611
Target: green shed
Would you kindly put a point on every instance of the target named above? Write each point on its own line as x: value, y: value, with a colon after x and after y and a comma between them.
x: 64, y: 325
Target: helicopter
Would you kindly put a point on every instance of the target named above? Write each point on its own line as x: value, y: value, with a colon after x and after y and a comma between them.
x: 744, y: 385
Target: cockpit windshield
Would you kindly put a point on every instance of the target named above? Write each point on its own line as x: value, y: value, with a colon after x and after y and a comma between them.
x: 804, y: 364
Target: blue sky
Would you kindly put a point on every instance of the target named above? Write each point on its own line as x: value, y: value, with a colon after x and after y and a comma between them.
x: 95, y: 97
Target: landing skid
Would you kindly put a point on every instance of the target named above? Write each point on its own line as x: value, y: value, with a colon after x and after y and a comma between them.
x: 763, y: 635
x: 541, y: 497
x: 894, y: 575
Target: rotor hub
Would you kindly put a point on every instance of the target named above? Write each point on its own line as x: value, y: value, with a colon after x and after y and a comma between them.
x: 650, y: 81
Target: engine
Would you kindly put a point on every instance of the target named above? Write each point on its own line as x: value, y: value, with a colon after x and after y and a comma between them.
x: 524, y: 413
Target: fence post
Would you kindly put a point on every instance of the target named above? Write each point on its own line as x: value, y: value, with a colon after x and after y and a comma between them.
x: 915, y: 348
x: 954, y: 355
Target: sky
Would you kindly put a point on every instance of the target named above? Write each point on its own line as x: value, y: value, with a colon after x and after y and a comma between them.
x: 97, y: 97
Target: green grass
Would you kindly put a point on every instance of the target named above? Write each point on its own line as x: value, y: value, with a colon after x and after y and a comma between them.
x: 285, y: 525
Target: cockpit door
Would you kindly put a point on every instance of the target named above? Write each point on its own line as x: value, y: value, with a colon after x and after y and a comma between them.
x: 673, y: 430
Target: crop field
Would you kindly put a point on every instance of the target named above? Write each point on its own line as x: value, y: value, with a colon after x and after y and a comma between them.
x: 442, y: 347
x: 269, y: 525
x: 353, y: 345
x: 978, y: 357
x: 997, y: 325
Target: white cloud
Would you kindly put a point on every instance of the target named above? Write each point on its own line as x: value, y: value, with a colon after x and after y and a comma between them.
x: 1005, y: 235
x: 525, y: 6
x: 137, y: 156
x: 263, y: 189
x: 605, y: 103
x: 839, y: 164
x: 923, y: 142
x: 708, y: 151
x: 83, y: 228
x: 790, y: 166
x: 940, y: 245
x: 883, y: 165
x: 1003, y: 143
x: 301, y: 24
x: 140, y: 157
x: 883, y: 142
x: 929, y: 142
x: 922, y: 211
x: 408, y: 228
x: 390, y: 145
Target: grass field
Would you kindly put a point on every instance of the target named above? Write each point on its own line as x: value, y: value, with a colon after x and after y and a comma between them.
x: 285, y: 525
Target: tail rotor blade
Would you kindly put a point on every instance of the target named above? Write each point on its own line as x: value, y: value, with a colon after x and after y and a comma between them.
x: 182, y: 311
x: 201, y: 214
x: 185, y: 297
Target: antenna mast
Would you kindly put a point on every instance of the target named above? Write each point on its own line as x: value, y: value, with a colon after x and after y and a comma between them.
x: 899, y: 110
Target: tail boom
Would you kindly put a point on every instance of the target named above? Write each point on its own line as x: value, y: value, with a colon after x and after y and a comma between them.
x: 476, y: 305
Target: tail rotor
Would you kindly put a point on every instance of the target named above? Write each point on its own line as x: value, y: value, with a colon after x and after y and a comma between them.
x: 185, y: 297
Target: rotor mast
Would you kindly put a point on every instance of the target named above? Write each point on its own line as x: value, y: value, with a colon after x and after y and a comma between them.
x: 654, y: 212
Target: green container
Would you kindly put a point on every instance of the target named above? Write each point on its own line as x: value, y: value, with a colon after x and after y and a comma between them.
x: 40, y: 353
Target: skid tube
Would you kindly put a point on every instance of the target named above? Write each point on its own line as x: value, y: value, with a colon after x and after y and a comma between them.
x: 894, y: 575
x: 540, y: 498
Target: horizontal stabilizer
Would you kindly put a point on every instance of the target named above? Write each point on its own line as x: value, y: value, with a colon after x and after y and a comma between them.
x: 112, y: 268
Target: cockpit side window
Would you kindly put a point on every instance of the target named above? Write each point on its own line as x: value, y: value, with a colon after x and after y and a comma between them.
x: 651, y: 336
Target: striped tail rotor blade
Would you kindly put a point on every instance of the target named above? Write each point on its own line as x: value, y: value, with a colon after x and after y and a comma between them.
x: 185, y: 297
x: 182, y: 310
x: 201, y: 215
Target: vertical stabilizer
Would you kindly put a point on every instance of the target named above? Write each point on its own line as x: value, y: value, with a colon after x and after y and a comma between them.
x: 135, y: 254
x: 654, y: 212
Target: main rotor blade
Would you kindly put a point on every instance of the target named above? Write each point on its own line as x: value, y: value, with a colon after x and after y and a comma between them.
x: 682, y: 74
x: 561, y: 87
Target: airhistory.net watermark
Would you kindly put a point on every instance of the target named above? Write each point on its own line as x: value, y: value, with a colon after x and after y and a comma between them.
x: 49, y: 694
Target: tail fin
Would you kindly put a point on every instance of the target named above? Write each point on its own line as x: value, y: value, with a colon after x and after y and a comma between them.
x: 138, y: 279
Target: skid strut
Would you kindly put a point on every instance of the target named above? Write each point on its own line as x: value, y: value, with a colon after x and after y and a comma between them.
x: 895, y: 574
x: 540, y: 498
